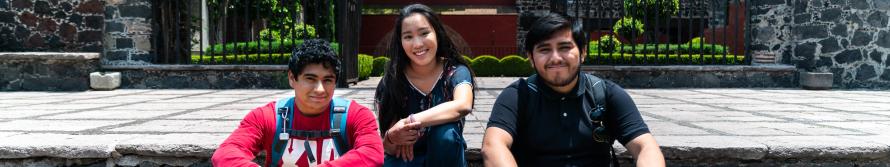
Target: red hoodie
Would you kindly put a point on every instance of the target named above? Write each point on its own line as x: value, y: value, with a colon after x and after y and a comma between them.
x: 257, y: 131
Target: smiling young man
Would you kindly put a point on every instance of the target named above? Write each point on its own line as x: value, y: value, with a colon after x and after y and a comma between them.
x: 560, y: 116
x: 313, y: 128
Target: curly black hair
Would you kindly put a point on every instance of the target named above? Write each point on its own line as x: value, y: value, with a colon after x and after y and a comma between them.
x: 313, y: 51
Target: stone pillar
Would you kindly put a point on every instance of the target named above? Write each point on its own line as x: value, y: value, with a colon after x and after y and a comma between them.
x: 128, y: 32
x: 527, y: 7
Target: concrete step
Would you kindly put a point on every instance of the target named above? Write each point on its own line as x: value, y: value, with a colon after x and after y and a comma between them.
x: 695, y: 127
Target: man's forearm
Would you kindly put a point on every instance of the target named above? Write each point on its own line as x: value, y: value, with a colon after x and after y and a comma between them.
x: 646, y: 151
x: 494, y: 155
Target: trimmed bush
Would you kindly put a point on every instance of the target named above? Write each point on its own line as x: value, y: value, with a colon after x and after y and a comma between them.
x: 697, y: 40
x: 690, y: 59
x: 379, y: 66
x: 515, y: 66
x: 276, y: 58
x: 469, y: 60
x: 365, y: 65
x: 687, y: 48
x: 486, y: 65
x: 628, y: 27
x: 606, y: 43
x: 262, y: 47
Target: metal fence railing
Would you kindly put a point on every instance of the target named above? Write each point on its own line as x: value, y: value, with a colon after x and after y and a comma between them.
x: 253, y: 32
x: 662, y: 32
x: 210, y: 32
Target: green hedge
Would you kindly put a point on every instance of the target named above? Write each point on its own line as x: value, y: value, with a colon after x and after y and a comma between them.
x: 279, y: 46
x: 514, y: 65
x: 379, y: 66
x: 486, y: 65
x: 606, y: 43
x: 276, y: 58
x: 687, y: 48
x: 691, y: 59
x: 468, y: 59
x: 365, y: 66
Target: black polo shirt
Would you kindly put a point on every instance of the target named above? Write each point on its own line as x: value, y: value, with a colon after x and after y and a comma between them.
x: 554, y: 131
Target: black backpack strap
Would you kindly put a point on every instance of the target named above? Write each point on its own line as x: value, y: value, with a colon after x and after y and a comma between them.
x: 521, y: 103
x: 597, y: 90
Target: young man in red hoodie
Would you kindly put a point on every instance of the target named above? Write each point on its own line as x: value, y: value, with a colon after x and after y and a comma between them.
x: 308, y: 129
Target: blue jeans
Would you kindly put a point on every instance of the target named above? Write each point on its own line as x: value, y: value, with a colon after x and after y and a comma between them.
x: 445, y: 147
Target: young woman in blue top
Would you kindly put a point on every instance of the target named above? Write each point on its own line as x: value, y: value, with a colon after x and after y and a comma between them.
x: 426, y: 91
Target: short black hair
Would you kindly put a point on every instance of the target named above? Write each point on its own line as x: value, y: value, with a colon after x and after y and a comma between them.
x: 544, y: 26
x: 313, y: 51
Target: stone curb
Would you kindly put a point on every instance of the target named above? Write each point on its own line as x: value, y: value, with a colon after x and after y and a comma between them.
x: 691, y: 68
x: 48, y: 56
x: 727, y: 148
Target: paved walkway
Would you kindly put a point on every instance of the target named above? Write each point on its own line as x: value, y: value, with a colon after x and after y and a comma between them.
x: 736, y: 124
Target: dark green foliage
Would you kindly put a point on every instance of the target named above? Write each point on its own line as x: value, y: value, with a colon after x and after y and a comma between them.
x: 468, y: 59
x: 302, y: 31
x: 688, y: 59
x: 629, y: 28
x: 515, y: 66
x: 365, y: 66
x: 379, y: 66
x: 651, y: 8
x: 275, y: 58
x: 486, y: 65
x: 687, y: 48
x: 606, y: 43
x: 278, y: 46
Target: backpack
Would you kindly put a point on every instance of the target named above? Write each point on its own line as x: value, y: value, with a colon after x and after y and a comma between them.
x: 284, y: 117
x: 595, y: 117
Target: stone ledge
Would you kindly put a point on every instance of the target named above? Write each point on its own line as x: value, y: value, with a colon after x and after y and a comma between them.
x: 705, y: 76
x: 702, y: 68
x: 48, y: 56
x: 46, y: 71
x: 196, y: 149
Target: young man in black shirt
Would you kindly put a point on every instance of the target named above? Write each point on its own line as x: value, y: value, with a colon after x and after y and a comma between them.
x: 561, y: 117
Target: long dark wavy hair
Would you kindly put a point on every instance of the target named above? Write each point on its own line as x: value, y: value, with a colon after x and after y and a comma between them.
x: 392, y: 91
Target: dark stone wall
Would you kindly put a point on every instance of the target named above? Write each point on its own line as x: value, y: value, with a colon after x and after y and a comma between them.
x: 203, y: 79
x: 51, y: 25
x: 850, y: 38
x: 32, y: 72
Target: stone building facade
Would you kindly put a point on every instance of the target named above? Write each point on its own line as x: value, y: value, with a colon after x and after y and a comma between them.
x: 52, y: 25
x: 849, y: 38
